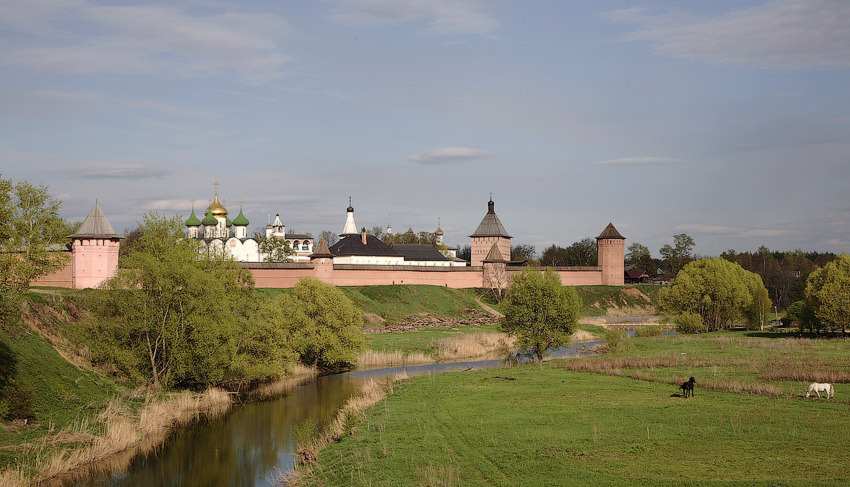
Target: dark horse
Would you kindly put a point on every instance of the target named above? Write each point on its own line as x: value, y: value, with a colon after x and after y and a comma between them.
x: 687, y: 388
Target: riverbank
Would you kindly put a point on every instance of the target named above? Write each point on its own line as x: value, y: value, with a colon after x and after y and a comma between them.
x: 616, y: 419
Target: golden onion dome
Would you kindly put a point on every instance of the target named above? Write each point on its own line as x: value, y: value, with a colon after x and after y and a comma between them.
x: 217, y: 209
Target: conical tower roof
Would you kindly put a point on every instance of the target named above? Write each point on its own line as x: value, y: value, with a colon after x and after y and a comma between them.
x: 610, y: 232
x: 490, y: 226
x: 96, y: 226
x: 494, y: 256
x: 321, y: 251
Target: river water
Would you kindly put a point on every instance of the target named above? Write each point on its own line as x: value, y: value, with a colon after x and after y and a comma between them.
x: 252, y: 445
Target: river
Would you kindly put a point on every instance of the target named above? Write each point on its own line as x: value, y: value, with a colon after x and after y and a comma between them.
x: 252, y: 445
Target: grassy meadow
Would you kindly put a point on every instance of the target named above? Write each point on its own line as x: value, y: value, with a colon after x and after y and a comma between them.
x: 615, y: 419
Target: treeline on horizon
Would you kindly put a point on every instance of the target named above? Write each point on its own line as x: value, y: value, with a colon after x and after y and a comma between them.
x: 784, y: 272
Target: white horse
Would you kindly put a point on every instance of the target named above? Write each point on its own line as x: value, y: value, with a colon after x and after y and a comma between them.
x: 819, y: 387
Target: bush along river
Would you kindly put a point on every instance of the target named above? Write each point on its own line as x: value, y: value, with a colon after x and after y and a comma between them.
x: 253, y: 444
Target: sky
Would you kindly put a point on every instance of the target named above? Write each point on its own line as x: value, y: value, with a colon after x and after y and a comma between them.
x: 726, y: 120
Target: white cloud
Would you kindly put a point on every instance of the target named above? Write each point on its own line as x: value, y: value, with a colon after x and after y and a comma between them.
x: 132, y: 39
x: 630, y: 161
x: 449, y: 155
x: 444, y: 16
x: 117, y: 171
x: 780, y: 34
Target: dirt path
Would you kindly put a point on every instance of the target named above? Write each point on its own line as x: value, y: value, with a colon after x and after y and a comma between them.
x: 487, y: 308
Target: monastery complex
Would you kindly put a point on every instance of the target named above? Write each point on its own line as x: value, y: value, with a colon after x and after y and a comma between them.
x: 357, y: 259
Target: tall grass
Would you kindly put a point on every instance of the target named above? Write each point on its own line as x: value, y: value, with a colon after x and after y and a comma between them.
x: 373, y: 359
x: 474, y: 345
x: 370, y: 393
x: 126, y: 433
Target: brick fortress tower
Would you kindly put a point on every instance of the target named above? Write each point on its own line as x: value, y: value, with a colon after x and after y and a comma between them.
x: 490, y: 231
x: 610, y: 247
x: 94, y: 251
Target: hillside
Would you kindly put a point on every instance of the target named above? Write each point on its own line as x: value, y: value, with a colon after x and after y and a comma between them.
x: 62, y: 395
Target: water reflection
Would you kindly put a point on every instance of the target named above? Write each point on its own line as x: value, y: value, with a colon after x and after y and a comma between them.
x: 252, y: 445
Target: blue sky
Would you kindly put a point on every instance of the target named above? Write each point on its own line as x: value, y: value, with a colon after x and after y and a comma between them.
x: 729, y: 121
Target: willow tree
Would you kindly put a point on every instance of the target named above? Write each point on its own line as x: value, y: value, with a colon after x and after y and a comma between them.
x: 828, y: 293
x: 540, y: 311
x: 718, y: 290
x: 175, y: 316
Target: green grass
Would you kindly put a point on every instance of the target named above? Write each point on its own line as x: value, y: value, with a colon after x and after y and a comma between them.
x: 421, y: 340
x: 392, y: 303
x: 548, y: 425
x: 63, y: 395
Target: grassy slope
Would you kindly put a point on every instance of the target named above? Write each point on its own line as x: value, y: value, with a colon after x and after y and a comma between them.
x: 613, y: 297
x: 551, y: 426
x: 392, y: 303
x: 63, y: 394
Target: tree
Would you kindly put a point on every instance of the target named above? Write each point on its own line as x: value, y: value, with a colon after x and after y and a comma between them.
x: 581, y: 253
x: 523, y: 252
x: 464, y: 252
x: 553, y: 256
x: 828, y: 293
x: 639, y: 255
x: 324, y: 323
x: 716, y: 289
x: 540, y: 311
x: 174, y: 316
x: 679, y: 254
x: 377, y: 231
x: 31, y: 227
x: 275, y: 249
x: 330, y: 237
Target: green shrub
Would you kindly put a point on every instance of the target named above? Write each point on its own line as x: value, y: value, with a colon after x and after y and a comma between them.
x: 648, y: 331
x: 689, y: 323
x: 615, y: 340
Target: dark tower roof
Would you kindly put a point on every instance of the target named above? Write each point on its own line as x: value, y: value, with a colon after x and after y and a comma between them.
x: 96, y: 226
x: 321, y: 250
x: 490, y: 226
x: 610, y: 232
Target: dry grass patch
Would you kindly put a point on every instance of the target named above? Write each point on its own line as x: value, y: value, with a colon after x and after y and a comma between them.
x: 584, y: 336
x: 371, y: 359
x: 285, y: 386
x: 474, y: 345
x: 126, y: 434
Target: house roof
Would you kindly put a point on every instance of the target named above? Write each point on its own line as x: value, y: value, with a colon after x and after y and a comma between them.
x: 490, y: 226
x: 419, y: 252
x: 635, y: 273
x: 96, y: 226
x: 494, y: 256
x: 611, y: 232
x: 351, y: 244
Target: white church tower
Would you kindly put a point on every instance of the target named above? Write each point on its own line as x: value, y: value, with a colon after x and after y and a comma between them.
x: 350, y: 226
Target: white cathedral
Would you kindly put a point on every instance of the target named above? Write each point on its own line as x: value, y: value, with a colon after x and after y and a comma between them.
x: 221, y: 235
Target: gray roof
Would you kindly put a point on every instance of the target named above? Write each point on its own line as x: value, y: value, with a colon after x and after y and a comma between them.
x: 419, y: 252
x: 352, y: 244
x: 611, y: 232
x: 96, y: 226
x: 490, y: 226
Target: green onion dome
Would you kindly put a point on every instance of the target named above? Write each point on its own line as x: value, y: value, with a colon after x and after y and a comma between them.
x: 193, y: 220
x: 240, y: 220
x: 209, y: 220
x: 228, y: 222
